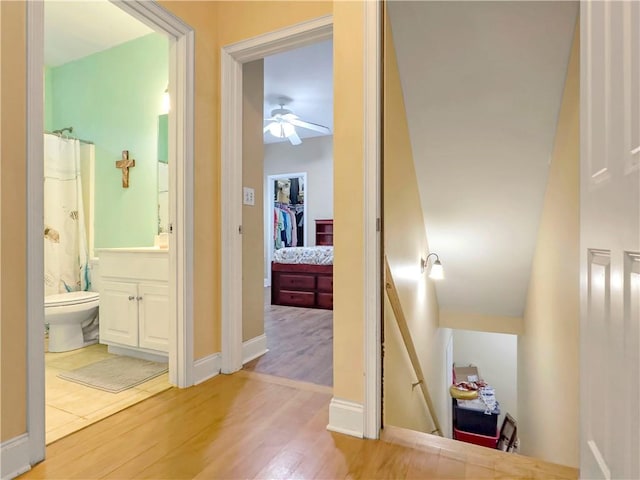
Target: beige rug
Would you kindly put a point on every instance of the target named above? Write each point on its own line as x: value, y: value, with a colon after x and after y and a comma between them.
x: 115, y: 374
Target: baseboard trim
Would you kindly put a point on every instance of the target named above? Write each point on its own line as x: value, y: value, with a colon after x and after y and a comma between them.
x: 14, y: 457
x: 206, y: 368
x: 137, y: 353
x: 252, y: 349
x: 346, y: 417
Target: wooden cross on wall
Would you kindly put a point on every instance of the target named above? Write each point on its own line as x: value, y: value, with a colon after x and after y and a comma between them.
x: 125, y: 164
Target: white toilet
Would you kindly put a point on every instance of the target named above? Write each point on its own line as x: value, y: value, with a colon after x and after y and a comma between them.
x: 66, y: 313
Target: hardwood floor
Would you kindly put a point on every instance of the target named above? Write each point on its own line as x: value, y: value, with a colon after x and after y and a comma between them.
x: 300, y: 343
x: 251, y: 425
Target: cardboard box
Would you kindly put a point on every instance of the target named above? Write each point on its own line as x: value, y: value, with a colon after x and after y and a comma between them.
x: 462, y: 374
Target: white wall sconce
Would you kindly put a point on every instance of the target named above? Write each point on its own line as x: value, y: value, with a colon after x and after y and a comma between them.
x: 166, y: 102
x: 436, y: 272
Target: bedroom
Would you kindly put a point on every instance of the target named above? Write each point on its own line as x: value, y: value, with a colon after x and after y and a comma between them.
x: 288, y: 176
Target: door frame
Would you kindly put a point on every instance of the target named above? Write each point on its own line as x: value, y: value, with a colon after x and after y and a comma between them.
x: 268, y: 216
x: 181, y: 141
x: 232, y: 58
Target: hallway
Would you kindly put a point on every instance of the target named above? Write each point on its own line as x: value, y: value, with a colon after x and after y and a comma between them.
x: 250, y: 425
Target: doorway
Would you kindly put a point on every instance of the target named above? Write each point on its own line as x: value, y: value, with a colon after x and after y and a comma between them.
x: 180, y: 141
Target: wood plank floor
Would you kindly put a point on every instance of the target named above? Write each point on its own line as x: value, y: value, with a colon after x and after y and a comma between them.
x: 250, y: 425
x: 300, y: 343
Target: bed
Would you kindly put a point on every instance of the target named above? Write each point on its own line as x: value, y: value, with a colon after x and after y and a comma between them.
x: 303, y: 277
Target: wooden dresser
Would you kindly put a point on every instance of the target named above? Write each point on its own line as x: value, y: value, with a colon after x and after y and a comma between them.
x: 302, y: 285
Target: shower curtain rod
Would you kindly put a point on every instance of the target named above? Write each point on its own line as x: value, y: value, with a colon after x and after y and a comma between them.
x: 58, y: 133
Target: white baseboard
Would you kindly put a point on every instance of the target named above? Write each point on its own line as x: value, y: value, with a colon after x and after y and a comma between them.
x: 346, y: 417
x: 14, y: 457
x: 206, y: 368
x: 253, y: 348
x: 138, y: 353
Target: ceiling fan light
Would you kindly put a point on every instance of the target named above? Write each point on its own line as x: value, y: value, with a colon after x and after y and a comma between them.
x: 288, y: 129
x: 281, y: 129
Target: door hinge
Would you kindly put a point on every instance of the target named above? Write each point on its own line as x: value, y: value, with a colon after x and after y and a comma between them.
x: 378, y: 224
x: 240, y: 229
x: 171, y: 228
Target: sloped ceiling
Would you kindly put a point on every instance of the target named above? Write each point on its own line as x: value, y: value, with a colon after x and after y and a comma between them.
x: 482, y: 85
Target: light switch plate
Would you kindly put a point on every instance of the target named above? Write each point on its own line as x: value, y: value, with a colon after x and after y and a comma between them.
x: 248, y: 196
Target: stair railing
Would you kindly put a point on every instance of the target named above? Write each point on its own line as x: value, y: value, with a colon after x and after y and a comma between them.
x: 394, y: 300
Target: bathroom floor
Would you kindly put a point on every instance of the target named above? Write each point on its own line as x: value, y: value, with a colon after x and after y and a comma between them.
x: 71, y: 406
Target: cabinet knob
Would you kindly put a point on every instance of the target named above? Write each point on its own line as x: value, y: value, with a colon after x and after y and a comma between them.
x: 139, y: 298
x: 131, y: 297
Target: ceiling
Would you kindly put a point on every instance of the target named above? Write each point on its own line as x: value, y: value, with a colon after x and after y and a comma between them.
x: 302, y: 77
x: 482, y: 85
x: 75, y: 29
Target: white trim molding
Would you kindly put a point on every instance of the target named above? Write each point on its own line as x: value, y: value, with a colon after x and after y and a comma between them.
x: 206, y: 368
x: 35, y: 254
x: 254, y: 348
x: 231, y: 59
x: 14, y: 457
x: 346, y: 417
x: 372, y: 218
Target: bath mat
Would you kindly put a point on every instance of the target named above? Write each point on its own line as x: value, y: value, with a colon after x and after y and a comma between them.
x: 115, y: 374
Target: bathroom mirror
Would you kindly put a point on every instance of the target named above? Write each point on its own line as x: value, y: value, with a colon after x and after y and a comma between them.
x: 163, y: 173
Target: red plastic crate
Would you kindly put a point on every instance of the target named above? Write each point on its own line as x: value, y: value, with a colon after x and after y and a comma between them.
x: 481, y: 440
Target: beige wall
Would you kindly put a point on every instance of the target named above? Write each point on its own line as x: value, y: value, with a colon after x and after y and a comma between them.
x: 548, y: 363
x: 481, y: 322
x: 253, y: 215
x: 348, y: 188
x: 216, y: 24
x: 13, y: 221
x: 405, y: 243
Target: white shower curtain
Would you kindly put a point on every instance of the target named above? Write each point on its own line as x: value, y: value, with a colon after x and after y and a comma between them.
x: 65, y: 240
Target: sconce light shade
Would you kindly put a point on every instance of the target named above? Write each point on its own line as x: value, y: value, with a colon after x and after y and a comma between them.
x: 166, y: 102
x: 437, y: 273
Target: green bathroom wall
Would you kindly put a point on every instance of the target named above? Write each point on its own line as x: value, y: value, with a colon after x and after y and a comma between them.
x: 113, y: 98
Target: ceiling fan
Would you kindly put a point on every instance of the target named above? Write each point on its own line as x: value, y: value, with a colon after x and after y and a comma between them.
x: 283, y: 122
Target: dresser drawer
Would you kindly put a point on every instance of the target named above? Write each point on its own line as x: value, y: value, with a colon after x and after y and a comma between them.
x: 325, y: 284
x: 297, y: 282
x: 299, y: 299
x: 325, y: 300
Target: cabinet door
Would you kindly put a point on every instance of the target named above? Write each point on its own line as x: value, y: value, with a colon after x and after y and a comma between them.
x: 154, y: 316
x: 119, y: 313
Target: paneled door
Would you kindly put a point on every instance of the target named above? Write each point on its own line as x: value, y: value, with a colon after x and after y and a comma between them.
x: 610, y: 240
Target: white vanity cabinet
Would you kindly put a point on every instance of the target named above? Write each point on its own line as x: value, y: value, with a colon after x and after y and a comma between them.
x: 134, y: 299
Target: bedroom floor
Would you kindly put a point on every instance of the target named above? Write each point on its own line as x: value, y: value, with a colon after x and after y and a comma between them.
x: 300, y: 343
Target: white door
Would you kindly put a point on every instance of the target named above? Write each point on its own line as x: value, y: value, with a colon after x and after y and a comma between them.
x: 610, y: 240
x: 153, y: 309
x: 119, y: 313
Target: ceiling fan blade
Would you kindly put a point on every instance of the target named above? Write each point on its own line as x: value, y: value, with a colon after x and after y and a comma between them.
x: 294, y: 139
x: 308, y: 125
